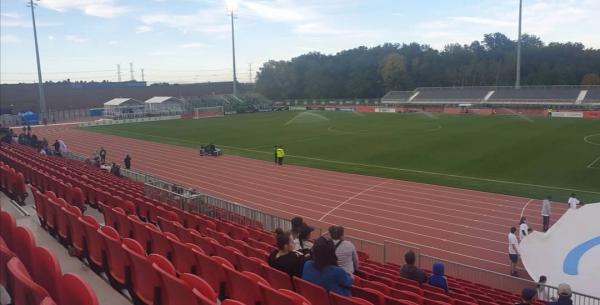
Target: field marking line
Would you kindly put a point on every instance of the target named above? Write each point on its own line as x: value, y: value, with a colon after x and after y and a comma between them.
x: 370, y: 165
x: 352, y: 197
x: 523, y: 210
x: 586, y: 139
x: 591, y: 165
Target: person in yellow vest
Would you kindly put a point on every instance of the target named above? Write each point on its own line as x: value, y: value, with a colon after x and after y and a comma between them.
x: 280, y: 154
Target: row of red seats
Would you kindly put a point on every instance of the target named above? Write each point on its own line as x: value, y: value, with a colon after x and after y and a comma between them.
x: 179, y: 217
x: 12, y: 183
x: 32, y: 275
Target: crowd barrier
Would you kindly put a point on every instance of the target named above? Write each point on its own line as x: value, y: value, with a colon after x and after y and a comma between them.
x: 393, y: 252
x: 127, y: 121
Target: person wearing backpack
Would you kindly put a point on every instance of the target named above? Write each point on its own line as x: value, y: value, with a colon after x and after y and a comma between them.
x: 344, y: 250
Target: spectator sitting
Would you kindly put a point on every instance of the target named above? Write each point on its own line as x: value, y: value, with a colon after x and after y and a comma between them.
x: 344, y: 250
x: 410, y: 271
x: 302, y: 243
x: 323, y: 271
x: 564, y: 295
x: 438, y: 279
x: 297, y: 222
x: 115, y: 169
x: 527, y: 296
x: 542, y: 290
x: 285, y: 258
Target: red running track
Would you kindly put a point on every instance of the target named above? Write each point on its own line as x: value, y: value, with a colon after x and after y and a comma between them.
x: 461, y: 225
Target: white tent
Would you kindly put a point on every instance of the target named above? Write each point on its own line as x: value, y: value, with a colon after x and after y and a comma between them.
x: 163, y: 104
x: 119, y: 106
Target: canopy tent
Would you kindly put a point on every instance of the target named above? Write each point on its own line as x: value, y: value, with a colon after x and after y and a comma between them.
x: 164, y: 104
x: 120, y: 106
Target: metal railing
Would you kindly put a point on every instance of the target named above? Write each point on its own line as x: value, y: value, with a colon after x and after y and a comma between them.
x: 189, y: 199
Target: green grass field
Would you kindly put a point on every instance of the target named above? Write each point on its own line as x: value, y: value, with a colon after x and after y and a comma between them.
x: 530, y: 157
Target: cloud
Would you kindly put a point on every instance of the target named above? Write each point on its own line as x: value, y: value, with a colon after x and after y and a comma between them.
x: 483, y: 21
x: 161, y: 53
x: 9, y: 39
x: 143, y: 29
x: 50, y: 37
x: 316, y: 28
x: 76, y: 39
x: 207, y: 21
x: 113, y: 42
x: 96, y: 8
x: 280, y: 10
x: 192, y: 45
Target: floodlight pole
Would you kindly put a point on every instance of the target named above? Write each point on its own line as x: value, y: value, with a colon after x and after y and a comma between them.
x: 518, y: 78
x: 42, y: 98
x: 233, y: 52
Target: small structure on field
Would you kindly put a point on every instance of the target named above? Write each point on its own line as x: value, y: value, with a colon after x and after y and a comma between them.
x: 164, y: 105
x: 123, y: 107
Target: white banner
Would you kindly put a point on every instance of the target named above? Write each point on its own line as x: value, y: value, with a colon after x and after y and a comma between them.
x: 567, y: 114
x: 388, y: 110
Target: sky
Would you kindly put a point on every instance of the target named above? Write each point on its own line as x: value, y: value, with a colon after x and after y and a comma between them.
x: 186, y: 41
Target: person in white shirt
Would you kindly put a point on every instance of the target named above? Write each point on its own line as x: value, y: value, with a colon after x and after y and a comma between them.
x: 573, y: 201
x: 344, y: 250
x: 546, y: 213
x: 523, y: 228
x: 513, y: 251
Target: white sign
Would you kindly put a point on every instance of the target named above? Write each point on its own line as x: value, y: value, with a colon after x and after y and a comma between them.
x: 567, y: 114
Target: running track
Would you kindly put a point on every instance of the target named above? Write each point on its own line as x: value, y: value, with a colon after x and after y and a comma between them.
x: 456, y: 224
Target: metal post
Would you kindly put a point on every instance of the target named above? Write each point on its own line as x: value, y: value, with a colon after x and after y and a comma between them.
x: 233, y: 52
x: 131, y: 70
x: 42, y: 101
x: 119, y: 72
x: 518, y: 78
x: 143, y: 75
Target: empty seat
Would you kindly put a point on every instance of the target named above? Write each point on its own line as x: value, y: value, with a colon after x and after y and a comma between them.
x: 275, y: 297
x: 369, y: 294
x: 46, y: 271
x: 182, y: 257
x: 210, y: 270
x: 115, y: 256
x: 140, y: 232
x: 7, y: 228
x: 313, y: 293
x: 94, y: 242
x: 160, y: 244
x: 337, y: 299
x: 145, y: 281
x: 24, y: 291
x: 5, y: 255
x: 75, y: 291
x: 123, y: 223
x: 76, y: 230
x: 242, y: 287
x: 24, y: 243
x: 278, y: 279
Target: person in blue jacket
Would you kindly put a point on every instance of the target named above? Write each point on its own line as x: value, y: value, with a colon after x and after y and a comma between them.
x: 323, y: 270
x: 438, y: 279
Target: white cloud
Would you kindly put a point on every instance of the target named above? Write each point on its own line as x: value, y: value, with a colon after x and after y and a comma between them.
x: 97, y: 8
x: 113, y: 42
x: 143, y: 29
x: 192, y: 45
x: 280, y: 10
x: 316, y: 28
x: 483, y: 21
x: 161, y: 53
x: 50, y: 37
x: 9, y: 39
x: 207, y: 21
x: 76, y: 39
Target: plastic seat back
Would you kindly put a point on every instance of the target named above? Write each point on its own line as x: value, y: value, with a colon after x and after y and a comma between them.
x: 5, y: 255
x: 46, y: 271
x: 62, y: 222
x: 8, y: 225
x: 369, y: 294
x: 160, y: 244
x: 278, y: 279
x: 210, y: 270
x: 174, y: 290
x: 182, y: 257
x: 144, y: 279
x: 115, y: 255
x: 123, y: 223
x: 24, y: 291
x: 76, y: 230
x: 93, y: 240
x: 206, y: 243
x: 315, y: 294
x: 251, y: 264
x: 434, y: 302
x: 75, y: 291
x: 274, y: 297
x: 337, y: 299
x: 242, y: 288
x: 437, y: 296
x: 298, y: 299
x: 406, y: 295
x: 140, y: 232
x: 24, y: 243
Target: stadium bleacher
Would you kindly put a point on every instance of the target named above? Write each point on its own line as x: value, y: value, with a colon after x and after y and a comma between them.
x: 592, y: 96
x: 535, y: 94
x: 398, y: 96
x: 465, y: 94
x: 161, y: 254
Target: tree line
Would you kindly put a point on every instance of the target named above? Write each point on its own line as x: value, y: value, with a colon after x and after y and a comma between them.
x: 370, y: 72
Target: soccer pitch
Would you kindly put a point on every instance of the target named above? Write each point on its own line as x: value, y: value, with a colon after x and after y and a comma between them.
x: 524, y: 156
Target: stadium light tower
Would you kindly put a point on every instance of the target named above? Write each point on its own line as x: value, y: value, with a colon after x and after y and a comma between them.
x: 232, y: 6
x: 42, y: 101
x: 518, y: 78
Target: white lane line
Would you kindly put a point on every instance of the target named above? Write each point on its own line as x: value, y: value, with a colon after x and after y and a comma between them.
x: 591, y: 165
x: 523, y: 210
x: 352, y: 197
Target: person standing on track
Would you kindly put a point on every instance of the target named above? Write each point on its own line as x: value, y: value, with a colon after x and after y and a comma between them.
x: 275, y: 153
x: 573, y: 201
x: 280, y: 153
x: 546, y: 213
x: 513, y: 251
x: 523, y: 228
x: 102, y: 154
x: 127, y: 162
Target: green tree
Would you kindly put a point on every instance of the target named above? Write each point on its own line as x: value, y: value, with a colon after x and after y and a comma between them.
x: 393, y: 72
x: 591, y: 79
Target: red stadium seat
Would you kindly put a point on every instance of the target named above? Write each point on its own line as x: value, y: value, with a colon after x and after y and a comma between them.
x: 393, y: 301
x: 229, y: 253
x: 182, y: 257
x: 24, y: 291
x: 315, y: 294
x: 211, y: 271
x: 24, y: 243
x: 206, y: 243
x: 145, y: 281
x: 76, y: 230
x: 369, y: 294
x: 160, y: 244
x: 123, y: 223
x: 115, y: 256
x: 48, y: 301
x: 7, y: 228
x: 278, y: 279
x: 383, y: 288
x: 337, y: 299
x: 437, y: 296
x: 242, y: 287
x: 5, y: 255
x: 299, y: 299
x: 406, y: 295
x: 232, y: 302
x: 140, y: 232
x: 75, y: 291
x: 200, y: 288
x: 46, y: 271
x: 93, y: 241
x: 62, y: 223
x: 434, y: 302
x: 251, y: 264
x: 276, y: 297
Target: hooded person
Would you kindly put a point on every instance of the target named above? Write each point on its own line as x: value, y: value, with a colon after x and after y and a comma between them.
x: 564, y: 295
x: 438, y: 279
